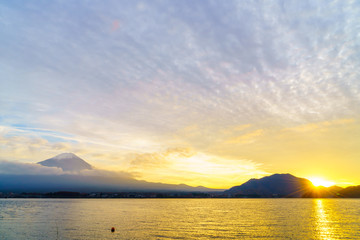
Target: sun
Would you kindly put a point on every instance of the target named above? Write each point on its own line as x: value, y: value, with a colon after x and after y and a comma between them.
x: 321, y: 182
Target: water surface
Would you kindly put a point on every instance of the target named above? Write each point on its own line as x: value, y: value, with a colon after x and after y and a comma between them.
x: 180, y: 218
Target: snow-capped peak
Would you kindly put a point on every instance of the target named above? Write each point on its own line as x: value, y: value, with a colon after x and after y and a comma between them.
x: 65, y: 156
x: 67, y: 162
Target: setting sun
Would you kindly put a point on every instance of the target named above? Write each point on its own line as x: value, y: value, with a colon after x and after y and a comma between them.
x: 321, y: 182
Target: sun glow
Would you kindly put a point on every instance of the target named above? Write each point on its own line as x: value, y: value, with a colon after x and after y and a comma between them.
x: 321, y: 182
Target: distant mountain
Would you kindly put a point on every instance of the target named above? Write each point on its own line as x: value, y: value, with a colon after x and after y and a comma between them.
x: 67, y: 162
x: 81, y: 183
x: 350, y: 192
x: 277, y: 185
x: 324, y: 192
x: 72, y: 179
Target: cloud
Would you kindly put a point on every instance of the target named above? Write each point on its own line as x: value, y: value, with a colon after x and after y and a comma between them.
x: 320, y: 126
x: 20, y: 168
x: 17, y: 168
x: 159, y: 159
x: 286, y: 61
x: 96, y: 172
x: 20, y: 143
x: 23, y: 144
x: 246, y: 138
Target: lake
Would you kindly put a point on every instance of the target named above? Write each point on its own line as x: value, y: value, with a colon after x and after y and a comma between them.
x: 180, y: 218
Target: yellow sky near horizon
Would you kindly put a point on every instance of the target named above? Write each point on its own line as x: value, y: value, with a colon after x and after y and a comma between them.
x: 328, y: 150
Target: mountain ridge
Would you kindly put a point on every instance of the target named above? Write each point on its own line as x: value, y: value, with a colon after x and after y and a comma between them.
x: 281, y: 185
x: 287, y: 185
x: 73, y: 178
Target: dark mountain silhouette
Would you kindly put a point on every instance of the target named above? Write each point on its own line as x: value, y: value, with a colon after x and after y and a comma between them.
x: 287, y: 185
x: 67, y: 162
x: 350, y: 192
x: 81, y: 183
x: 324, y: 192
x: 277, y: 185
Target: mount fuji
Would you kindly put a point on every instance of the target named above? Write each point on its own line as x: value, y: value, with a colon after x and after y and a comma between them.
x: 67, y: 162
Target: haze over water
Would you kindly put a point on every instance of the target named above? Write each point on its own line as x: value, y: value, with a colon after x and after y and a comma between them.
x: 180, y: 218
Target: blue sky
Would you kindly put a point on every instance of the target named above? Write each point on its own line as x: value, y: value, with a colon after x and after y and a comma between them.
x: 111, y: 80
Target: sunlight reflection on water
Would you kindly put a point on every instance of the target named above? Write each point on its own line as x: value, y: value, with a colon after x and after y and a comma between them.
x: 323, y: 222
x: 337, y: 218
x: 180, y: 218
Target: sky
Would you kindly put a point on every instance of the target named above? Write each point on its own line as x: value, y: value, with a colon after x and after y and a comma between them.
x: 208, y: 93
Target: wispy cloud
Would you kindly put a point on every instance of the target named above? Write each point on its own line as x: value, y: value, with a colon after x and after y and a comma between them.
x: 320, y: 126
x: 286, y: 61
x: 246, y: 138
